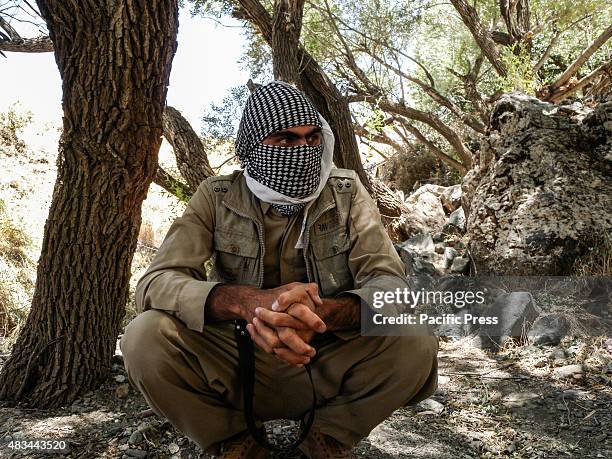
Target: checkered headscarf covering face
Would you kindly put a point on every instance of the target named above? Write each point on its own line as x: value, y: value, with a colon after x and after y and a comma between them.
x: 291, y: 171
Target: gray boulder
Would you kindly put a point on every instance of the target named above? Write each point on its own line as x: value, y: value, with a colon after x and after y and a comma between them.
x: 549, y: 329
x: 457, y: 218
x: 541, y: 186
x: 515, y: 312
x: 451, y: 198
x: 425, y: 213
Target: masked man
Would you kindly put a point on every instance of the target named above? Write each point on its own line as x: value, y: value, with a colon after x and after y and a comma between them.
x: 296, y: 247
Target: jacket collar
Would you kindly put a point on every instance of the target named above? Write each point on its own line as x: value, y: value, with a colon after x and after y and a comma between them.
x: 240, y: 199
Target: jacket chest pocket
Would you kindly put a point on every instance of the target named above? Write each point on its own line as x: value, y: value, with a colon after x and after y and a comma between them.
x: 236, y: 257
x: 330, y: 259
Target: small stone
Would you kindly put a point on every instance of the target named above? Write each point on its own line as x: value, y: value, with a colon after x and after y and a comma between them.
x: 449, y: 255
x: 459, y: 264
x: 517, y: 399
x: 568, y: 371
x: 439, y: 248
x: 136, y: 438
x: 120, y: 378
x: 526, y: 350
x: 431, y: 405
x: 132, y: 452
x: 122, y: 391
x: 514, y: 311
x: 557, y: 354
x: 457, y: 218
x: 421, y: 243
x: 173, y: 448
x: 124, y: 447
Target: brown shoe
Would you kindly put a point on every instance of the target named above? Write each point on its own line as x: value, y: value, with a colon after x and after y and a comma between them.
x: 241, y: 446
x: 318, y: 445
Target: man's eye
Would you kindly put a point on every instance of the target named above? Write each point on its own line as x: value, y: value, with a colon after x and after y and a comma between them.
x: 315, y: 138
x: 284, y: 141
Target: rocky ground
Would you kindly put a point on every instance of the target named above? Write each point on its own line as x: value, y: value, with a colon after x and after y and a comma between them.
x: 522, y: 402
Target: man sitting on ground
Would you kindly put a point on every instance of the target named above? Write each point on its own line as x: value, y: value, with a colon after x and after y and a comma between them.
x: 297, y: 246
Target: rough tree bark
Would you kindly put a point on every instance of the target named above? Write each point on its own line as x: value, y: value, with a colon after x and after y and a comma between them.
x: 114, y: 59
x: 286, y: 30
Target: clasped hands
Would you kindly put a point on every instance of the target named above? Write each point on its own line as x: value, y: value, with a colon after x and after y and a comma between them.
x: 283, y: 320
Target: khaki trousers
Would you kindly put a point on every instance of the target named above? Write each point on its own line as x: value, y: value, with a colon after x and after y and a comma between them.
x: 191, y: 379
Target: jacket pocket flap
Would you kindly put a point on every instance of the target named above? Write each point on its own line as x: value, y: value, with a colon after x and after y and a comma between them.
x: 236, y: 244
x: 330, y: 245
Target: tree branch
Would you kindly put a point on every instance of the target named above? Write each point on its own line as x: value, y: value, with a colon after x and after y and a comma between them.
x: 557, y: 97
x: 483, y: 38
x: 431, y: 120
x: 581, y: 59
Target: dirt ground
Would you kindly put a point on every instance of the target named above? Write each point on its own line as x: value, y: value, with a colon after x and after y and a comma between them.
x: 508, y: 404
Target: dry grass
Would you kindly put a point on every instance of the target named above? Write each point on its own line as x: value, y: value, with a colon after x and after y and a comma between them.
x: 597, y: 261
x: 16, y: 285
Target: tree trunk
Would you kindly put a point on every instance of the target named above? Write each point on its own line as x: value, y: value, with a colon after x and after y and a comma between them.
x: 191, y: 156
x: 114, y: 59
x: 286, y: 30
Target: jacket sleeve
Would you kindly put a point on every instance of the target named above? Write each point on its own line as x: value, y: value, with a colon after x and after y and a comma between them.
x: 175, y: 281
x: 373, y: 261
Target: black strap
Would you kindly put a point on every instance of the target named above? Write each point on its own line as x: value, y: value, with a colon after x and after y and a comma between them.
x: 246, y: 360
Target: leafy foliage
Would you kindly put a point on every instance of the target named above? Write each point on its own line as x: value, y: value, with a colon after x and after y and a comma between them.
x: 420, y: 54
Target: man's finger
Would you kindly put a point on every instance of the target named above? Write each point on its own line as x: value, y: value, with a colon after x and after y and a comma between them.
x: 280, y: 319
x: 313, y: 290
x: 268, y: 334
x: 291, y: 339
x: 306, y: 316
x: 291, y: 357
x: 257, y: 339
x: 296, y: 295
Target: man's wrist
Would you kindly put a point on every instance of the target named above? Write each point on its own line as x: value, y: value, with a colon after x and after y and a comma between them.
x: 341, y: 313
x: 229, y: 302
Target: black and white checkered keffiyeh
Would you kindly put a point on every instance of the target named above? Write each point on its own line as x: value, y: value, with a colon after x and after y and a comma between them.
x: 291, y: 171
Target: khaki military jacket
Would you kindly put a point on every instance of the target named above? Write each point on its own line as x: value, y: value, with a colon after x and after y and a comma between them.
x: 346, y: 249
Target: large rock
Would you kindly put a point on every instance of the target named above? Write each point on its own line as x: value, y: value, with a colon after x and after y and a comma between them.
x: 451, y: 198
x: 515, y: 312
x: 541, y: 186
x: 549, y: 330
x: 425, y: 212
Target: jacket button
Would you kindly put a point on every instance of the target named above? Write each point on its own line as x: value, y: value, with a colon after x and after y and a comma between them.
x: 348, y: 184
x: 235, y: 249
x: 224, y: 189
x: 340, y: 186
x: 216, y: 189
x: 335, y: 249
